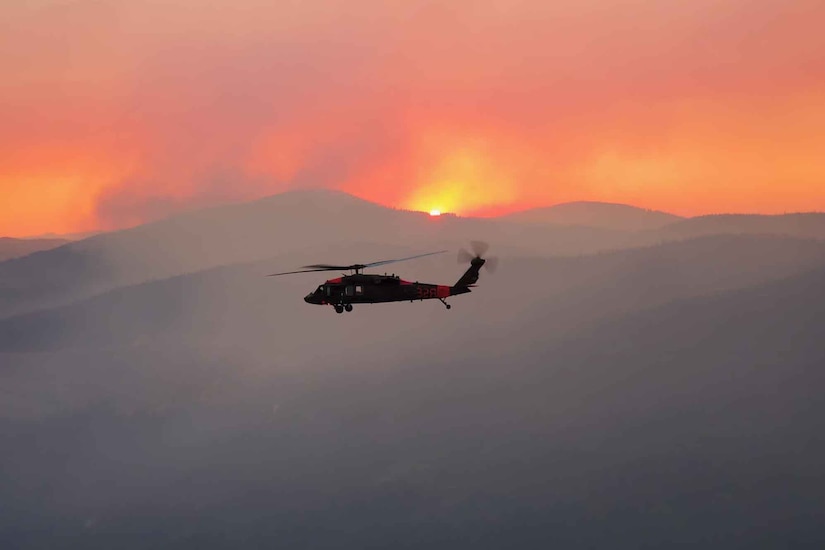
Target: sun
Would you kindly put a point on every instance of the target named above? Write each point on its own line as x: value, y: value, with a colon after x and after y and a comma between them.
x: 435, y: 212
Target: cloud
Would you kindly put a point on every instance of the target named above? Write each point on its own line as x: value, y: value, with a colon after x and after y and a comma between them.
x: 128, y: 204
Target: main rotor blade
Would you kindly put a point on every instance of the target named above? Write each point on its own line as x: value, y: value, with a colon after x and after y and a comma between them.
x: 299, y: 271
x: 328, y: 267
x: 385, y: 262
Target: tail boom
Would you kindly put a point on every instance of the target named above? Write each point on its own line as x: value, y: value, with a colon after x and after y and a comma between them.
x: 470, y: 276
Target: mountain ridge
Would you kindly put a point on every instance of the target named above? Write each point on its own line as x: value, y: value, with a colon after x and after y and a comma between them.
x: 604, y: 215
x: 575, y: 289
x: 289, y: 222
x: 11, y: 247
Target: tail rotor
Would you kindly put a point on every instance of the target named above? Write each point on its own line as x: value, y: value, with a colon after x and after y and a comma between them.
x: 479, y: 248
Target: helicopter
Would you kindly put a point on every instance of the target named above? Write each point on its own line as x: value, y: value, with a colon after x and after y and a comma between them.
x: 366, y: 288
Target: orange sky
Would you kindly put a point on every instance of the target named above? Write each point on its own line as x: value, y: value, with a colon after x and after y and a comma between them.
x: 113, y: 113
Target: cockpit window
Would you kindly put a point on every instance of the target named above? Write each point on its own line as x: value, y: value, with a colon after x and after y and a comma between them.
x: 321, y: 288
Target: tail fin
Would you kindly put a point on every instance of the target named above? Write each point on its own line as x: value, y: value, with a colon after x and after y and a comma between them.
x: 471, y: 275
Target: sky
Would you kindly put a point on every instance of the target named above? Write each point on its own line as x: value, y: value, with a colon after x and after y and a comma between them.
x: 116, y: 113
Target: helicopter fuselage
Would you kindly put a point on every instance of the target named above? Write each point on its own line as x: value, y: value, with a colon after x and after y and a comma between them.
x: 364, y: 288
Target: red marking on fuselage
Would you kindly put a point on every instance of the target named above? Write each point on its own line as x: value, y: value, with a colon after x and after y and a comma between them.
x: 403, y: 282
x: 443, y: 291
x: 335, y: 281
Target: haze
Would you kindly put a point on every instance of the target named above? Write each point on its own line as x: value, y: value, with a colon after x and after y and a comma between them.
x: 640, y: 382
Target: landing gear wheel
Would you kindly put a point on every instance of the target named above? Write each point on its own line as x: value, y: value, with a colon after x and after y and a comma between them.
x: 348, y: 307
x: 448, y: 306
x: 443, y: 301
x: 339, y: 309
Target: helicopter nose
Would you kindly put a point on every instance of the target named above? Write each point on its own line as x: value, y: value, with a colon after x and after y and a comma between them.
x: 308, y: 298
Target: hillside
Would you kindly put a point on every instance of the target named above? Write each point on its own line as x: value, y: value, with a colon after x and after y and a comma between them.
x: 323, y: 221
x: 618, y: 217
x: 805, y: 225
x: 15, y: 248
x: 311, y: 221
x: 238, y: 304
x: 187, y: 243
x: 686, y: 421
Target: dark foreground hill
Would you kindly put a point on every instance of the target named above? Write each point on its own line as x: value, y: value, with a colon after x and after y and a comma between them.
x: 681, y: 405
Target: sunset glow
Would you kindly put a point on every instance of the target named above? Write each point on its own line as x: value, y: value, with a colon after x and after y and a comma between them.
x: 118, y: 113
